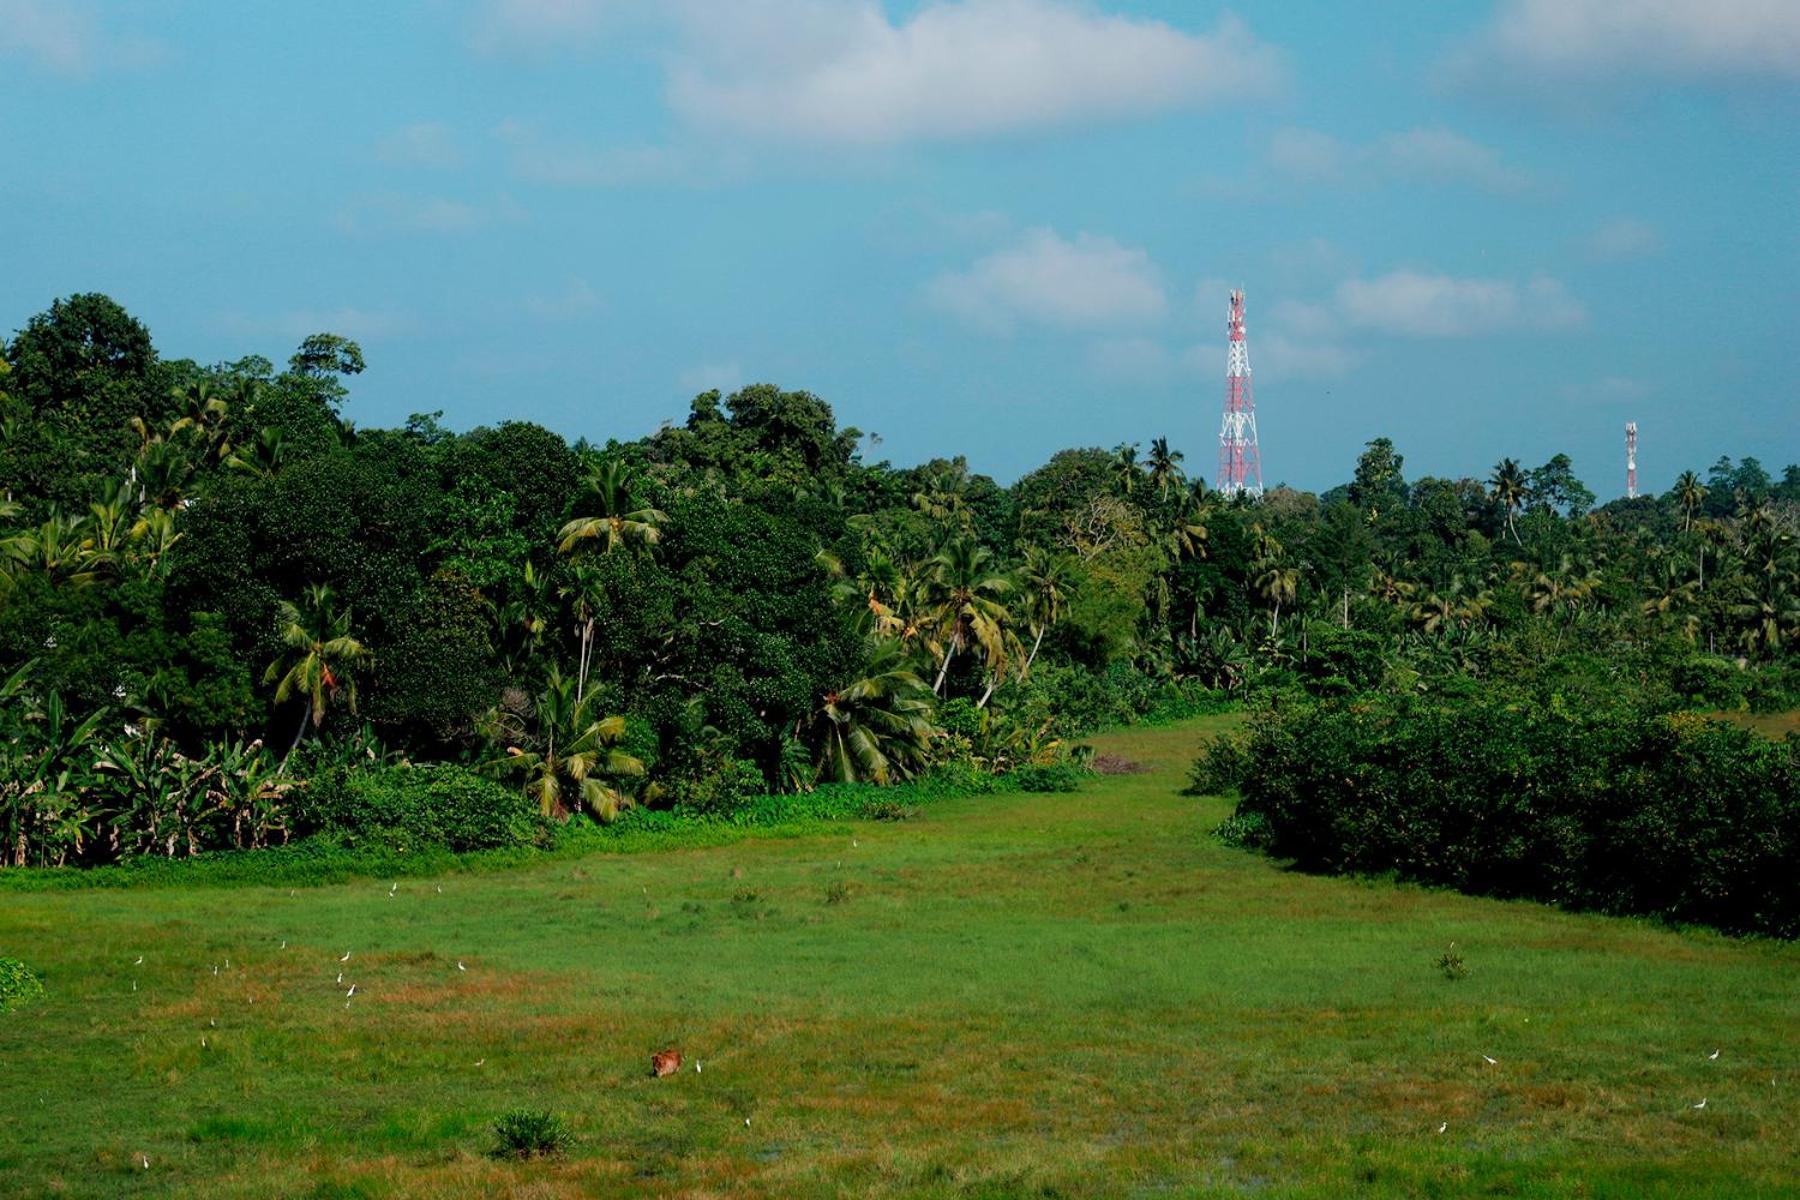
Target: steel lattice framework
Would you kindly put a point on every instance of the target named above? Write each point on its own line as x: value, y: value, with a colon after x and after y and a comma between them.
x: 1631, y: 460
x: 1240, y: 461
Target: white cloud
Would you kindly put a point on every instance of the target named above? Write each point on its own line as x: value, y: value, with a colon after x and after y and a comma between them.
x: 64, y: 37
x: 1435, y: 153
x: 844, y: 72
x: 1413, y: 304
x: 1624, y: 238
x: 422, y: 144
x: 1431, y: 153
x: 1577, y: 40
x: 1091, y: 282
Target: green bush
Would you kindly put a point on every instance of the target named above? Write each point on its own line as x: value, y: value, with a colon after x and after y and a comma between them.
x: 19, y: 986
x: 1220, y: 768
x: 530, y: 1133
x: 407, y: 808
x: 1059, y: 777
x: 1627, y: 812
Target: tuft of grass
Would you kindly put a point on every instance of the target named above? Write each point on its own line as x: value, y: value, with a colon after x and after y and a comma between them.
x: 1452, y: 965
x: 19, y: 985
x: 530, y: 1133
x: 837, y: 892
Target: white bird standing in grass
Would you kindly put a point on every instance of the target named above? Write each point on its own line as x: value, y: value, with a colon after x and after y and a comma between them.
x: 1702, y: 1103
x: 340, y: 977
x: 284, y: 943
x: 480, y: 1062
x: 139, y: 962
x: 1491, y: 1061
x: 459, y: 965
x: 351, y: 992
x: 1443, y: 1125
x: 346, y: 957
x: 393, y: 888
x: 1712, y: 1056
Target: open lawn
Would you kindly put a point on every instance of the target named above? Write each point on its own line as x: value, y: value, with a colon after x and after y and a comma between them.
x: 1061, y: 995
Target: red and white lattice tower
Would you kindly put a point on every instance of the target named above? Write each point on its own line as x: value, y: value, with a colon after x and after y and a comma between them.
x: 1631, y: 460
x: 1240, y: 463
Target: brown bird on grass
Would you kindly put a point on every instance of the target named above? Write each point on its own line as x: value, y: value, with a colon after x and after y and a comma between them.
x: 665, y: 1062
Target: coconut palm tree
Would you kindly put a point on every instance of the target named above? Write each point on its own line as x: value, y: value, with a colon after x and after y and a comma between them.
x: 1692, y: 494
x: 1165, y: 467
x: 1125, y: 468
x: 1278, y: 585
x: 877, y: 728
x: 963, y: 593
x: 1510, y: 488
x: 319, y: 657
x: 617, y: 516
x: 262, y: 457
x: 570, y: 757
x: 1046, y: 583
x: 1191, y: 526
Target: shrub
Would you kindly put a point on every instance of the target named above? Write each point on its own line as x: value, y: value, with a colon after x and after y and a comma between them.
x: 19, y: 986
x: 1626, y: 812
x: 411, y: 807
x: 1219, y: 769
x: 1245, y: 831
x: 1060, y: 777
x: 530, y: 1133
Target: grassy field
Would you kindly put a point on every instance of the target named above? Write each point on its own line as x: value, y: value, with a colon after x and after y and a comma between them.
x: 1064, y: 995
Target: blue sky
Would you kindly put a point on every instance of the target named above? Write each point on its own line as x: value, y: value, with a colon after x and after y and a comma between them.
x: 999, y: 227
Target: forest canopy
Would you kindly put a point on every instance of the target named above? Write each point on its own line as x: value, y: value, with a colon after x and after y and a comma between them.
x: 214, y: 588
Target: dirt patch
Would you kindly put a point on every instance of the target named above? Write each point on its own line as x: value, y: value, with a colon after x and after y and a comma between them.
x: 1117, y: 764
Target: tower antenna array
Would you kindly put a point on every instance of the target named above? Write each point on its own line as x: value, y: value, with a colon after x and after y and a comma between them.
x: 1240, y: 461
x: 1631, y: 460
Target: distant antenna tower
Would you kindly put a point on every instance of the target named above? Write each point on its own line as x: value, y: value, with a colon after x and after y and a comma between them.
x: 1240, y: 463
x: 1631, y: 460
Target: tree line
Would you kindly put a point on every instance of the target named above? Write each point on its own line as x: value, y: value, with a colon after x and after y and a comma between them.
x: 214, y: 587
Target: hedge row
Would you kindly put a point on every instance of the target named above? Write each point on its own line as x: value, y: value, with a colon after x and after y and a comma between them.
x: 1626, y: 812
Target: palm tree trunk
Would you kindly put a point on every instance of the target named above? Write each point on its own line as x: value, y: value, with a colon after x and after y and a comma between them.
x: 1032, y: 657
x: 295, y: 744
x: 993, y: 682
x: 1275, y: 618
x: 937, y: 689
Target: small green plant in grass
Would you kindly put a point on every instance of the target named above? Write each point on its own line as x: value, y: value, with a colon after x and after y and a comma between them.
x: 837, y: 892
x: 19, y: 985
x: 1452, y: 965
x: 883, y: 809
x: 530, y: 1133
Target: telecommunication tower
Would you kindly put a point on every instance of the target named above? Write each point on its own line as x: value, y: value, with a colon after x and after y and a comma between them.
x: 1631, y: 460
x: 1240, y: 463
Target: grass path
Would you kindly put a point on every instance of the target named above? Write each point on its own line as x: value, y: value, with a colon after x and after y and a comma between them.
x: 1069, y: 995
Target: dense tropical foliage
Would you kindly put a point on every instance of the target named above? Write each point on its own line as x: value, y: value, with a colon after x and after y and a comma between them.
x: 217, y: 594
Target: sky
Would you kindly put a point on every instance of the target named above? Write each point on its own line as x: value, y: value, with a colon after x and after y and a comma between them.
x: 991, y: 227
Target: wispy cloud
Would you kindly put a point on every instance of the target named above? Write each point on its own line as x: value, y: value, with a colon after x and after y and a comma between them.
x: 573, y: 300
x: 537, y: 158
x: 726, y: 377
x: 429, y: 144
x: 1581, y: 42
x: 1088, y: 282
x: 391, y: 212
x: 1624, y: 238
x: 67, y: 37
x: 1414, y: 304
x: 347, y: 320
x: 1429, y: 153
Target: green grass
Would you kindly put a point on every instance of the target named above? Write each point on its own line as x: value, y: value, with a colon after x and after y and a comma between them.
x: 1025, y: 994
